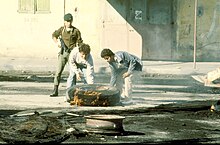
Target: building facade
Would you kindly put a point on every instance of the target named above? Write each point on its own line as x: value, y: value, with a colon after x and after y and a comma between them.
x: 159, y: 30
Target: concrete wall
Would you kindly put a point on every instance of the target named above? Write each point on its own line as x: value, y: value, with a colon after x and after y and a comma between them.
x: 27, y: 35
x: 30, y: 35
x: 112, y: 23
x: 207, y: 30
x: 87, y: 17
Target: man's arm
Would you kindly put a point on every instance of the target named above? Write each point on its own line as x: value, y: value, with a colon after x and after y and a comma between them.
x: 72, y: 60
x: 79, y: 39
x: 55, y: 35
x: 126, y: 60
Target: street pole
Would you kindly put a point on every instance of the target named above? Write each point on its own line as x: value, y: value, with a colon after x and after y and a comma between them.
x: 64, y: 7
x: 194, y: 57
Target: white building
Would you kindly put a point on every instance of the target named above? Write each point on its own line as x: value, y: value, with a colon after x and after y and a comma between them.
x: 27, y: 26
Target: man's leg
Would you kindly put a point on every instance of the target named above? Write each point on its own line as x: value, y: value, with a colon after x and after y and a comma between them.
x: 128, y: 88
x: 84, y: 76
x: 61, y: 64
x: 129, y: 81
x: 71, y: 81
x: 120, y: 83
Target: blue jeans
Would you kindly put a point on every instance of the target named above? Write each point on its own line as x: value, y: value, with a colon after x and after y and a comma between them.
x: 71, y: 80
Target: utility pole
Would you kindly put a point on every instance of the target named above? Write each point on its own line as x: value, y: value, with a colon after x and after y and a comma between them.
x: 194, y: 58
x: 64, y: 7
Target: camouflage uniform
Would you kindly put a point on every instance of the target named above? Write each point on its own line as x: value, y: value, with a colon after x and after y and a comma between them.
x: 71, y: 38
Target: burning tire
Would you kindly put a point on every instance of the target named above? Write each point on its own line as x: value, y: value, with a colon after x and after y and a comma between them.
x: 93, y: 95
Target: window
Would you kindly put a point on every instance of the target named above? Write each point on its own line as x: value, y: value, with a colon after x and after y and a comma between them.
x: 34, y: 6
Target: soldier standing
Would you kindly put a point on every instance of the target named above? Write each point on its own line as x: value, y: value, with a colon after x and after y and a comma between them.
x: 67, y: 37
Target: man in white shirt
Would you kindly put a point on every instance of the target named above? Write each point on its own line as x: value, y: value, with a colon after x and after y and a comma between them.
x: 81, y: 67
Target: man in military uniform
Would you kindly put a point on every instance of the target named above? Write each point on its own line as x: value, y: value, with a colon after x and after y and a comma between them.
x: 67, y: 37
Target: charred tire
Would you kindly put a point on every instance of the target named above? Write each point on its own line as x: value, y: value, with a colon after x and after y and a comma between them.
x: 93, y: 95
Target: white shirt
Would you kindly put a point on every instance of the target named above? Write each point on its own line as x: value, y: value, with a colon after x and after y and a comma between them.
x: 75, y: 56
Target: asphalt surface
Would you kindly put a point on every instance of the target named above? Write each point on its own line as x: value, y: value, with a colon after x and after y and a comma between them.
x: 166, y: 109
x: 31, y: 91
x: 25, y: 88
x: 22, y: 76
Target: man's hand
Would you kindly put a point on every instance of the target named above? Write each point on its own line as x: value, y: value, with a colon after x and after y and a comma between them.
x: 58, y: 43
x: 78, y: 76
x: 126, y: 75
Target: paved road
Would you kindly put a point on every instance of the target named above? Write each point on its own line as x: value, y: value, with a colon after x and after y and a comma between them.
x: 149, y: 91
x: 161, y: 83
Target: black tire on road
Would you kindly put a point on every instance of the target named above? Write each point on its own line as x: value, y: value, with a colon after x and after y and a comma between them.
x: 93, y: 95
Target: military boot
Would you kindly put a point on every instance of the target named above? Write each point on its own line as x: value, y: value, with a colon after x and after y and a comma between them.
x: 55, y: 91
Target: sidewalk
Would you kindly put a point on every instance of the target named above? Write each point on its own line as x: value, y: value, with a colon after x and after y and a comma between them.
x: 179, y: 68
x: 158, y: 67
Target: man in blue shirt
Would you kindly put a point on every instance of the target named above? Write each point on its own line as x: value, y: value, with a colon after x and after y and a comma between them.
x: 123, y: 66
